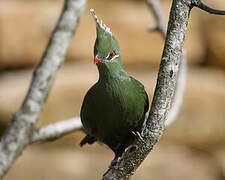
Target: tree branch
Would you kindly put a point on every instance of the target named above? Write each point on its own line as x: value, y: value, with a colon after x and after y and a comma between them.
x: 204, y: 7
x: 156, y: 9
x: 179, y: 91
x: 18, y: 134
x: 56, y: 130
x: 165, y: 88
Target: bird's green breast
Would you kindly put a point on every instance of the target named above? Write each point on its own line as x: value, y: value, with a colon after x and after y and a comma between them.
x: 113, y: 108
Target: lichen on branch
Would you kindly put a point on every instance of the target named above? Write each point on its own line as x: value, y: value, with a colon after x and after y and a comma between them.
x: 18, y: 134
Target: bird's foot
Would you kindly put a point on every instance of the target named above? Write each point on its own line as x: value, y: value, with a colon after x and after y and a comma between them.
x: 138, y: 135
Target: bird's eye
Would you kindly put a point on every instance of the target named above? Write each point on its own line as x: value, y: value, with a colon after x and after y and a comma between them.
x: 111, y: 55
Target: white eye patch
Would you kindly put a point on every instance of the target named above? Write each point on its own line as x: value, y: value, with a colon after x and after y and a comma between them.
x: 107, y: 57
x: 111, y: 55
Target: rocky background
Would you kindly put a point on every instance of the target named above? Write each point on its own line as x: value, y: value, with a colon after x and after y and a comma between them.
x: 193, y: 147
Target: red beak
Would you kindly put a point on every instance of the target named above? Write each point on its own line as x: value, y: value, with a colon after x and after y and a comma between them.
x: 96, y: 61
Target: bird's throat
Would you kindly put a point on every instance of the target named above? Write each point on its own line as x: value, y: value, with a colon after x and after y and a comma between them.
x: 108, y: 71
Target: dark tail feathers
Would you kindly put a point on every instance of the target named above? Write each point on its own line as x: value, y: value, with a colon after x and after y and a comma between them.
x: 88, y: 139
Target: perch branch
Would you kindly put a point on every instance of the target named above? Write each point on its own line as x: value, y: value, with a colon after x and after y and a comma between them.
x: 156, y: 10
x: 179, y: 91
x: 204, y: 7
x: 18, y: 135
x: 165, y: 88
x: 56, y: 130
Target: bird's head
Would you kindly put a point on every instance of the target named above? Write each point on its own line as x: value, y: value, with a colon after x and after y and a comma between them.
x: 106, y: 49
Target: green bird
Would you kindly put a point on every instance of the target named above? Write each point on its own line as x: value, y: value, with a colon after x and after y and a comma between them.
x: 114, y: 109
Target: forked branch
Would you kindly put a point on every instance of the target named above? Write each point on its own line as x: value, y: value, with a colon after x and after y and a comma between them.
x: 18, y: 134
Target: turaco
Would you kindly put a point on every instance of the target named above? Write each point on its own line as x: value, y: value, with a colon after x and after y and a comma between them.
x: 114, y: 108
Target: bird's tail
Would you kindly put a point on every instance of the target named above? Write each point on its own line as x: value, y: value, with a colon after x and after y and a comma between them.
x: 88, y: 139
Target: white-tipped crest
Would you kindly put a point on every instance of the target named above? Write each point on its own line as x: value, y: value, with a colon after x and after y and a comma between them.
x: 103, y: 27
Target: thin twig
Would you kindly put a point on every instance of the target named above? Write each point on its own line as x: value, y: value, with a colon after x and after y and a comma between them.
x: 18, y: 134
x: 156, y: 10
x: 204, y: 7
x: 56, y: 130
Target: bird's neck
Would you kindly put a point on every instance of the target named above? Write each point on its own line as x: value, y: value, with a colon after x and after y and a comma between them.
x: 108, y: 72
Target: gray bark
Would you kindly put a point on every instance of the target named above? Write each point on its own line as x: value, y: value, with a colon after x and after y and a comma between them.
x: 19, y: 133
x: 56, y: 130
x: 160, y: 26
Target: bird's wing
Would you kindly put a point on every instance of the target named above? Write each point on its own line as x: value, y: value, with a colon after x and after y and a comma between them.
x: 142, y: 91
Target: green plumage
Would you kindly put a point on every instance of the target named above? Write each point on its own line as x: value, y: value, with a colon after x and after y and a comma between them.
x: 115, y: 107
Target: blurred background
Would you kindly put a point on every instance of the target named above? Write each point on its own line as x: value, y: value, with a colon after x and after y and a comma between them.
x: 193, y: 147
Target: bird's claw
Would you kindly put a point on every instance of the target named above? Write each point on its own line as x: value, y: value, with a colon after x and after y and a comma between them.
x: 138, y: 135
